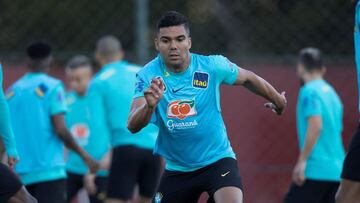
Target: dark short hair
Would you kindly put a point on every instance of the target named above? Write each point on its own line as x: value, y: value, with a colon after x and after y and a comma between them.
x: 78, y: 61
x: 173, y: 18
x: 39, y: 50
x: 311, y: 58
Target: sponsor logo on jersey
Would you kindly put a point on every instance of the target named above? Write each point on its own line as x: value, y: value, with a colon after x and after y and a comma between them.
x: 81, y: 132
x: 181, y: 109
x: 173, y: 125
x: 200, y: 80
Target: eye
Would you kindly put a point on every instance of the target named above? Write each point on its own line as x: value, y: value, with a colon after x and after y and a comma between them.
x: 164, y: 40
x: 180, y: 39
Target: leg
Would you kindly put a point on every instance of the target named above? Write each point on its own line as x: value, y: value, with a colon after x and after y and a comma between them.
x: 101, y: 185
x: 311, y: 192
x: 50, y: 191
x: 223, y: 181
x: 349, y: 192
x: 332, y: 188
x: 22, y: 196
x: 178, y: 187
x: 228, y: 195
x: 123, y: 174
x: 74, y: 183
x: 149, y: 176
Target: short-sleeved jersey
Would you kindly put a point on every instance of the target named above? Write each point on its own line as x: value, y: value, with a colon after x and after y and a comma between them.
x: 110, y: 95
x: 357, y: 45
x: 318, y: 98
x: 77, y: 120
x: 33, y: 100
x: 6, y: 132
x: 192, y: 132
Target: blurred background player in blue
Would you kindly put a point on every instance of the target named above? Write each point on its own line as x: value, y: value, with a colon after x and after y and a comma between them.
x: 37, y: 108
x: 78, y: 75
x: 11, y: 188
x: 316, y: 175
x: 349, y: 190
x: 110, y: 94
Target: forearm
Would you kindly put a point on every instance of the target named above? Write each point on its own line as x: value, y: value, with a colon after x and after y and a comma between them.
x: 105, y: 162
x: 70, y: 143
x: 261, y: 87
x: 140, y: 117
x: 312, y: 135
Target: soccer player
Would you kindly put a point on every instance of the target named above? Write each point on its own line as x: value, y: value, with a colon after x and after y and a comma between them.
x: 11, y: 188
x: 316, y: 175
x: 179, y: 91
x: 97, y: 144
x: 110, y: 96
x: 349, y: 190
x: 37, y: 109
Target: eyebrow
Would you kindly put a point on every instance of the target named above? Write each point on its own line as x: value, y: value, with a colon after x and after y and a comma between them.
x: 167, y: 37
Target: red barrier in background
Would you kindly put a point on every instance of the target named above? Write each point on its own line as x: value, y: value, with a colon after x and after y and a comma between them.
x: 265, y: 144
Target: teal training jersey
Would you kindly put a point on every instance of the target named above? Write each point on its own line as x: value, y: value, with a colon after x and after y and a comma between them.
x: 77, y: 120
x: 192, y: 132
x: 357, y: 45
x: 110, y: 95
x: 6, y: 132
x: 318, y: 98
x: 33, y: 99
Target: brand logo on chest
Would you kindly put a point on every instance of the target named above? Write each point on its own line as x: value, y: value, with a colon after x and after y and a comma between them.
x: 200, y: 80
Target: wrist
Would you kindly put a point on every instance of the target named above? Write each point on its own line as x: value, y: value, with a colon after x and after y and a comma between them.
x: 302, y: 158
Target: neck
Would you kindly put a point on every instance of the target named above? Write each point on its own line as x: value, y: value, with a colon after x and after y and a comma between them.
x: 312, y: 77
x: 111, y: 60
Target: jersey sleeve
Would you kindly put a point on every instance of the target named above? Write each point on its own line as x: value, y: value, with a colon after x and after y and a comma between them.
x: 226, y: 71
x: 57, y: 100
x: 311, y: 105
x: 6, y: 132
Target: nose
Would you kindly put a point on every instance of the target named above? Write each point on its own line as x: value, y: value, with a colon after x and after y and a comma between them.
x: 173, y: 45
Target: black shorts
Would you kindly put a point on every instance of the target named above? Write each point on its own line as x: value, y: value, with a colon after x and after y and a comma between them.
x: 53, y: 191
x: 351, y: 168
x: 312, y: 191
x: 133, y: 166
x: 9, y: 183
x: 75, y: 182
x: 180, y: 187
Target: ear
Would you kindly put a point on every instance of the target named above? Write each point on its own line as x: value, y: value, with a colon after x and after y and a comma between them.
x: 190, y: 42
x: 323, y: 70
x: 156, y: 42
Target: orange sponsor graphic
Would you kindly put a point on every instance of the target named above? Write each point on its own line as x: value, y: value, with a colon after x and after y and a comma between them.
x: 181, y: 109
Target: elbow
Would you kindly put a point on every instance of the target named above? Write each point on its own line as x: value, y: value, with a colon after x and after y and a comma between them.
x: 133, y: 129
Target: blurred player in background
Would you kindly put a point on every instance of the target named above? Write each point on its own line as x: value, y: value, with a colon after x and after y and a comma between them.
x: 316, y: 175
x: 349, y: 190
x: 37, y: 107
x: 11, y: 188
x: 110, y: 95
x: 180, y: 92
x: 78, y: 75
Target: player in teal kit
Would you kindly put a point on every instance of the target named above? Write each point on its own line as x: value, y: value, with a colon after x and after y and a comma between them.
x: 97, y: 144
x: 179, y: 91
x: 37, y: 108
x: 316, y: 175
x: 110, y: 96
x: 349, y: 190
x: 11, y: 189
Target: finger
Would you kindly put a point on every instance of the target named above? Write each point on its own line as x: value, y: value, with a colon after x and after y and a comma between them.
x: 268, y: 105
x: 156, y: 91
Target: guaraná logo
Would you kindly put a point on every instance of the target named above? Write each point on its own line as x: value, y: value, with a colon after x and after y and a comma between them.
x: 181, y: 109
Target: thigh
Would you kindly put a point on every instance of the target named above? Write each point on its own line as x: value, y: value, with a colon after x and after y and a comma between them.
x: 74, y: 183
x: 331, y: 192
x: 351, y: 168
x: 149, y: 174
x: 123, y: 173
x: 9, y: 183
x: 309, y: 192
x: 50, y: 191
x: 178, y: 187
x: 221, y: 174
x: 101, y: 185
x: 349, y: 192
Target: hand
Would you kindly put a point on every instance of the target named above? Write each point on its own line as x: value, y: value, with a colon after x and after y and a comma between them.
x: 89, y: 183
x: 298, y: 175
x: 92, y: 164
x: 12, y: 161
x: 154, y: 93
x: 278, y: 109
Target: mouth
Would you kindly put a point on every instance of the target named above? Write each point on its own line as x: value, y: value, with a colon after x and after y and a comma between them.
x: 174, y: 56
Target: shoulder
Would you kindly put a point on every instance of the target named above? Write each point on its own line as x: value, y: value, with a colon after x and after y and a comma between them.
x: 151, y: 68
x: 52, y: 82
x: 70, y: 97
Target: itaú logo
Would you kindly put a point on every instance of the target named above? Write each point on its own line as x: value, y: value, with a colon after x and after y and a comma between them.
x: 181, y: 109
x: 172, y: 125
